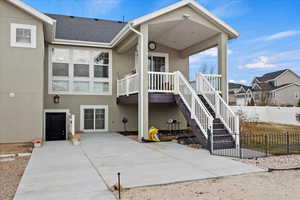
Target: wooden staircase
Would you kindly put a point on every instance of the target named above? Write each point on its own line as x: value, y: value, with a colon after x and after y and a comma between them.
x: 221, y: 137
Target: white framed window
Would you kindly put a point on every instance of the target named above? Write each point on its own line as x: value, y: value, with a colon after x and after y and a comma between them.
x: 80, y: 71
x: 93, y: 118
x: 23, y: 35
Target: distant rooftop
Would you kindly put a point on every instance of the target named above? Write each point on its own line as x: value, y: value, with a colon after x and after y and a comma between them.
x: 271, y: 75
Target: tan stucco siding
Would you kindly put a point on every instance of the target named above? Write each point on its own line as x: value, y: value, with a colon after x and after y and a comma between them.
x: 122, y: 64
x: 176, y: 63
x: 288, y: 96
x: 286, y: 78
x: 21, y: 73
x: 159, y: 114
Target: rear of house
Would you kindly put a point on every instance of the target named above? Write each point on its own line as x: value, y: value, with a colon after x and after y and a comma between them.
x: 101, y: 71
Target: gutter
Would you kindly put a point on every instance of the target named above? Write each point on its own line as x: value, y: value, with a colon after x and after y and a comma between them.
x: 142, y: 75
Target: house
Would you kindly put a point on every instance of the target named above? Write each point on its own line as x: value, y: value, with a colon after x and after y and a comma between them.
x: 234, y: 89
x: 61, y: 74
x: 275, y: 88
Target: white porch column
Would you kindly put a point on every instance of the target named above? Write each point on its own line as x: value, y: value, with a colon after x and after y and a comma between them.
x: 222, y: 64
x: 143, y: 74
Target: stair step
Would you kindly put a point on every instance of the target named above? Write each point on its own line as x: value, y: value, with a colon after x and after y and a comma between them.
x: 220, y: 131
x: 218, y: 126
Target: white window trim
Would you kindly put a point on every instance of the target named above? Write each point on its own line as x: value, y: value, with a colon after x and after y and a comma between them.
x: 160, y: 54
x: 82, y: 107
x: 13, y: 35
x: 71, y: 79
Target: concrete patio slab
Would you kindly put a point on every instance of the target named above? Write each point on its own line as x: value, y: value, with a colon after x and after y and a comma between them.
x: 59, y: 170
x: 154, y: 163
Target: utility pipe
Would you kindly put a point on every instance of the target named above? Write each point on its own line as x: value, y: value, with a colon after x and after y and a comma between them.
x: 142, y: 76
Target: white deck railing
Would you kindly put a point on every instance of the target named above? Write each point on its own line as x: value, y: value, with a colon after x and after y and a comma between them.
x: 161, y: 82
x: 220, y: 107
x: 213, y: 79
x: 175, y: 82
x: 128, y: 85
x: 198, y: 111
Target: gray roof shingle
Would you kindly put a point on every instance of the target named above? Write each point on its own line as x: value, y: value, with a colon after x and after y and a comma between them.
x: 271, y: 75
x: 86, y: 29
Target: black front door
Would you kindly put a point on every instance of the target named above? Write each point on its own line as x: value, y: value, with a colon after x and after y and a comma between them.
x: 55, y: 126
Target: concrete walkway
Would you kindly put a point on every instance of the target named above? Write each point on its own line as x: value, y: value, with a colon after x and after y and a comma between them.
x: 59, y: 170
x: 155, y: 163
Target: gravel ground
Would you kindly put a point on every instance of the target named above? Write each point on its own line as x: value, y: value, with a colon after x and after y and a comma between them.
x: 283, y: 185
x: 10, y: 176
x: 276, y: 162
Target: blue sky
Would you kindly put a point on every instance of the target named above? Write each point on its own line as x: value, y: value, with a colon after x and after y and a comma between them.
x: 270, y: 30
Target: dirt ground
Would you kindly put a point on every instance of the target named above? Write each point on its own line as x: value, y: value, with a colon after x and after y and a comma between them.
x: 10, y: 176
x: 283, y: 185
x: 16, y: 148
x: 11, y: 171
x: 267, y: 128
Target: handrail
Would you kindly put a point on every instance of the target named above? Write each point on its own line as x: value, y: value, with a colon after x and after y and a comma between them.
x: 214, y: 80
x: 161, y: 82
x: 217, y: 103
x: 128, y: 85
x: 198, y: 111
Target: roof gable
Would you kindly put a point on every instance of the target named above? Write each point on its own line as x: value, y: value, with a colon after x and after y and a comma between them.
x: 194, y: 5
x: 32, y: 11
x: 271, y: 75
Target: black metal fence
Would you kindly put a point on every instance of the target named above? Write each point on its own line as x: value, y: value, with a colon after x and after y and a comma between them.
x: 253, y: 146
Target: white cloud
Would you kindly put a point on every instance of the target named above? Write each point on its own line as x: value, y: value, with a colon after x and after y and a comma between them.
x: 96, y: 7
x: 212, y: 52
x: 231, y: 8
x: 279, y: 35
x: 239, y: 81
x: 261, y: 62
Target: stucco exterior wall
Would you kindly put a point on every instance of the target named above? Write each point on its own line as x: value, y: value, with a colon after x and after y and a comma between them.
x: 122, y: 64
x: 287, y: 77
x: 21, y: 73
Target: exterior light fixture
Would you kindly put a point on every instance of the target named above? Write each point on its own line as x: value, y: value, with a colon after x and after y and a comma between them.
x: 56, y: 99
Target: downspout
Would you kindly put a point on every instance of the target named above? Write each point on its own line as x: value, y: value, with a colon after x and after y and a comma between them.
x: 141, y: 75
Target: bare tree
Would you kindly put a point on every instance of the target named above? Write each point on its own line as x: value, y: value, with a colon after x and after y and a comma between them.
x: 206, y: 68
x: 265, y: 98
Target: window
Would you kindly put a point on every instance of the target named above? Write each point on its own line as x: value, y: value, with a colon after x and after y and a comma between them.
x: 79, y: 71
x: 81, y: 86
x: 100, y: 71
x: 94, y: 118
x: 60, y: 69
x: 60, y: 86
x: 23, y: 35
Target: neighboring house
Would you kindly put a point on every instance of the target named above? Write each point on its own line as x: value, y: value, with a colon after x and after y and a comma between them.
x: 234, y: 90
x: 101, y: 71
x: 276, y: 88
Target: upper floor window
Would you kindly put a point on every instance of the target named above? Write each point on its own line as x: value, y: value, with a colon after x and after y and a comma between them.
x: 79, y: 71
x: 23, y: 35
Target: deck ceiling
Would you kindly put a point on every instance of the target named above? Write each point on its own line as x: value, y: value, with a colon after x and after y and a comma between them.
x: 179, y: 34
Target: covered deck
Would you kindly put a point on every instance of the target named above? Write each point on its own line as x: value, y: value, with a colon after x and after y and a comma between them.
x: 161, y: 87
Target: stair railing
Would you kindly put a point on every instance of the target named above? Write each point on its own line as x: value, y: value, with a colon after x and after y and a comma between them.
x: 190, y: 98
x: 220, y: 107
x: 128, y: 85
